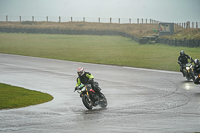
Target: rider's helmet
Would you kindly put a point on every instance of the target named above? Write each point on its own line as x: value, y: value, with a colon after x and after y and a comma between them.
x: 196, y: 62
x: 80, y: 71
x: 182, y: 53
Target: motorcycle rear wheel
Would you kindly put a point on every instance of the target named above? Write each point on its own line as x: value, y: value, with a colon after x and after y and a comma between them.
x: 103, y: 102
x: 87, y: 103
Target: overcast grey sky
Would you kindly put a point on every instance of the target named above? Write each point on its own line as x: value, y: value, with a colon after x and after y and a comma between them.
x: 161, y: 10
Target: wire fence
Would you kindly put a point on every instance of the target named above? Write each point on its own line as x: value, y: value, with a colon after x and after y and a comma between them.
x: 76, y: 19
x: 183, y: 25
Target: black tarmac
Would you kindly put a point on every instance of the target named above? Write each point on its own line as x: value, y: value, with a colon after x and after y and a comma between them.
x: 139, y: 100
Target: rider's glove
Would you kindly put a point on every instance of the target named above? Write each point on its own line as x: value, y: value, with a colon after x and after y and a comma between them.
x: 76, y: 88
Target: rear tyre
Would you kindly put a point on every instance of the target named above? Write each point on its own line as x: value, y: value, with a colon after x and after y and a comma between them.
x: 103, y: 101
x: 86, y: 102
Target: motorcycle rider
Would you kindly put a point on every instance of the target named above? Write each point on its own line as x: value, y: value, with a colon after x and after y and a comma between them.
x: 86, y: 78
x: 197, y: 71
x: 183, y: 60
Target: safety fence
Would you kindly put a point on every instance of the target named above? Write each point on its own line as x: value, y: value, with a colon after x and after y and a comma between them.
x: 76, y: 19
x: 187, y: 25
x: 92, y: 19
x: 144, y: 40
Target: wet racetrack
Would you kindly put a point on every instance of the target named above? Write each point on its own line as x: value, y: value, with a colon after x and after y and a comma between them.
x: 139, y: 100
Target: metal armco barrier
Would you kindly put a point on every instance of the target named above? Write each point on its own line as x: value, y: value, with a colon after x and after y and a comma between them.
x: 182, y: 43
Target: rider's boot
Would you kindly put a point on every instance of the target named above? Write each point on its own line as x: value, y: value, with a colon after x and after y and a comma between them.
x: 183, y: 74
x: 100, y: 96
x: 99, y: 93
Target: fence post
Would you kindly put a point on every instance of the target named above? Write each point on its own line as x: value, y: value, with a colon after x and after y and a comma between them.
x: 99, y: 20
x: 83, y: 19
x: 33, y: 18
x: 6, y: 17
x: 119, y: 20
x: 71, y: 19
x: 110, y: 20
x: 196, y: 24
x: 146, y: 21
x: 59, y: 18
x: 47, y: 18
x: 20, y: 18
x: 188, y: 25
x: 192, y: 24
x: 130, y: 20
x: 174, y: 26
x: 138, y: 21
x: 142, y: 20
x: 150, y: 21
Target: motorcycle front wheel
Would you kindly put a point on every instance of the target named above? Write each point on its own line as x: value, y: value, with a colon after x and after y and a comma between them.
x: 192, y: 75
x: 86, y: 101
x: 187, y: 75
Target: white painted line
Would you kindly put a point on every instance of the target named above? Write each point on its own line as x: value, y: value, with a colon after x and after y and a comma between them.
x: 152, y: 70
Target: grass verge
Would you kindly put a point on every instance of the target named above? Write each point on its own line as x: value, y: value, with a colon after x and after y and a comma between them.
x: 114, y: 50
x: 16, y: 97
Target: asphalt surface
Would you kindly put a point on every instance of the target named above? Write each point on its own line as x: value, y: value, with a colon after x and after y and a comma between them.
x: 139, y: 100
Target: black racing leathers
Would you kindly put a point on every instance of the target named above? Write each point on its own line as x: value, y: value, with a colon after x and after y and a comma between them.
x: 182, y: 60
x: 197, y: 73
x: 84, y: 78
x: 87, y: 78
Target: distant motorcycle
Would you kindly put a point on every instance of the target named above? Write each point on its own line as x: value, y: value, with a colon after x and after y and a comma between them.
x: 89, y: 98
x: 188, y: 71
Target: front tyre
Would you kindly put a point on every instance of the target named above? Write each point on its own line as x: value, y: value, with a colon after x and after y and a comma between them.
x: 103, y: 101
x: 86, y: 101
x: 187, y: 75
x: 192, y: 75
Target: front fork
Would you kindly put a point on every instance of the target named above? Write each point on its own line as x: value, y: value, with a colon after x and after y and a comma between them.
x: 88, y: 94
x: 190, y: 71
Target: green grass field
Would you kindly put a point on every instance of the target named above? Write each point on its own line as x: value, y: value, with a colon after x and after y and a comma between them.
x: 15, y: 97
x: 114, y: 50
